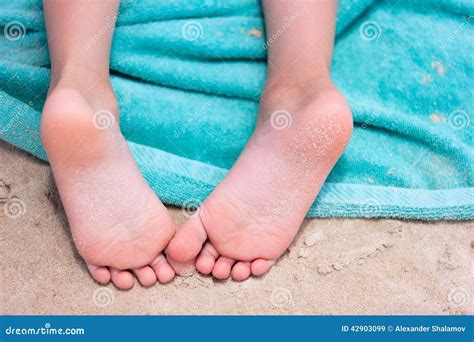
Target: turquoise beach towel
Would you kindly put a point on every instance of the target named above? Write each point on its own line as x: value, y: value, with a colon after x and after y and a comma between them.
x: 188, y: 75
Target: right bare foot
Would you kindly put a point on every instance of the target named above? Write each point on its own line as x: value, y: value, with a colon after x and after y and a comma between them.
x: 117, y: 222
x: 252, y: 217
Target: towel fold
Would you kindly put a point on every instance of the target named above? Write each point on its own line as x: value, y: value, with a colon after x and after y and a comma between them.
x: 188, y: 75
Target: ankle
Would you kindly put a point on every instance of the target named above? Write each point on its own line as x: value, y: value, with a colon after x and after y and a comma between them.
x: 306, y: 106
x: 70, y: 125
x: 81, y: 74
x: 294, y: 92
x: 94, y: 86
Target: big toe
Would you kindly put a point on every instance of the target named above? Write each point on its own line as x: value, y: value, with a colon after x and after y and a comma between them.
x: 181, y: 268
x: 188, y: 241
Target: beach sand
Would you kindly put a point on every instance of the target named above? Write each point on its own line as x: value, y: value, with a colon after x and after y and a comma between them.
x: 335, y: 266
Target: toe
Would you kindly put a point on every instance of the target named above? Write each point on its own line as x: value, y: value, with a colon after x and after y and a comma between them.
x: 222, y: 267
x: 261, y: 266
x: 241, y: 271
x: 181, y: 268
x: 145, y: 275
x: 206, y: 259
x: 99, y: 273
x: 164, y: 272
x: 188, y: 240
x: 122, y: 279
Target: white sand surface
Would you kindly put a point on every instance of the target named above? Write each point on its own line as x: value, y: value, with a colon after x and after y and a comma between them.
x: 335, y: 266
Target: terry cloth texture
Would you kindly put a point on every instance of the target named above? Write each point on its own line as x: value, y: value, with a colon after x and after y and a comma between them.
x: 188, y: 75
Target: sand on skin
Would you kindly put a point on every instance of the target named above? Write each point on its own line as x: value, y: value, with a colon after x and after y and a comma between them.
x: 335, y: 266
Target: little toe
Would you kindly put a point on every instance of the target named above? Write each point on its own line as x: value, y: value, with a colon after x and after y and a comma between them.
x: 241, y: 271
x: 164, y: 272
x: 187, y: 242
x: 122, y: 279
x: 99, y: 273
x: 145, y: 275
x: 222, y: 267
x: 261, y: 266
x: 207, y: 258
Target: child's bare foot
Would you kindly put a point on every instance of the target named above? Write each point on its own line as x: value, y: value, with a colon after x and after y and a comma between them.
x: 254, y: 214
x: 117, y: 222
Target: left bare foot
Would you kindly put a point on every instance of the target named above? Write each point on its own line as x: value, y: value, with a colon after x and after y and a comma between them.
x: 117, y: 222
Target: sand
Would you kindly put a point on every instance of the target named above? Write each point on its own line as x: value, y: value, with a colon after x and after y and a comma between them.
x: 335, y: 266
